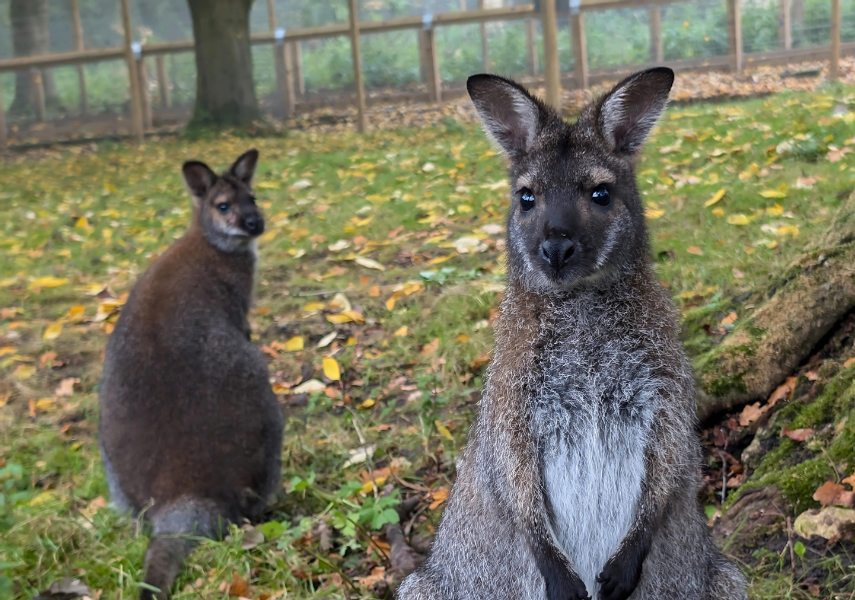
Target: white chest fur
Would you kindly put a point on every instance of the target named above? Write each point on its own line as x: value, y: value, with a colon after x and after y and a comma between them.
x: 594, y: 482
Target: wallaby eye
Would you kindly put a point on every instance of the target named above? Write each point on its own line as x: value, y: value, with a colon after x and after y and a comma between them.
x: 601, y: 196
x: 526, y: 199
x: 223, y: 207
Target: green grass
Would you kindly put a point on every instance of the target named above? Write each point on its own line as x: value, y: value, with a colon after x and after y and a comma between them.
x: 87, y: 221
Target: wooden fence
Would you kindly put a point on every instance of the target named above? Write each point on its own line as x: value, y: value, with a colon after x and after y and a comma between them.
x: 286, y: 49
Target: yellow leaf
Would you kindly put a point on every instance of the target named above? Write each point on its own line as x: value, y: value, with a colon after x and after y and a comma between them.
x: 462, y: 338
x: 313, y: 306
x: 53, y: 331
x: 400, y: 332
x: 774, y: 193
x: 75, y: 313
x: 737, y: 219
x: 45, y: 404
x: 24, y: 372
x: 354, y: 316
x: 440, y: 259
x: 694, y: 250
x: 652, y: 211
x: 464, y: 208
x: 775, y: 210
x: 331, y: 369
x: 440, y: 495
x: 367, y: 404
x: 716, y: 197
x: 788, y: 230
x: 47, y: 282
x: 390, y: 303
x: 81, y: 223
x: 728, y: 319
x: 42, y: 498
x: 443, y: 430
x: 268, y: 185
x: 337, y: 319
x: 368, y: 486
x: 294, y: 344
x: 718, y: 211
x: 7, y: 350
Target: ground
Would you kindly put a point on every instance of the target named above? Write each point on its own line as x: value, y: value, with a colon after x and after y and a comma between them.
x: 379, y: 275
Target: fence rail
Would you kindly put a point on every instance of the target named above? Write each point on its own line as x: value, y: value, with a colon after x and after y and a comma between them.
x: 286, y: 43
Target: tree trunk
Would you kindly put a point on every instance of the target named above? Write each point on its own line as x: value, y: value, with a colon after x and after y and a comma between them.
x: 225, y: 93
x: 807, y: 301
x: 30, y: 37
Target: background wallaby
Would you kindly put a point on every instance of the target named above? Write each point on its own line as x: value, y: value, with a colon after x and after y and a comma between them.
x: 582, y: 471
x: 189, y: 425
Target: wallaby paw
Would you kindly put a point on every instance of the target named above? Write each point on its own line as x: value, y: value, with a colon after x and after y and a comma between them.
x: 619, y: 577
x: 565, y: 586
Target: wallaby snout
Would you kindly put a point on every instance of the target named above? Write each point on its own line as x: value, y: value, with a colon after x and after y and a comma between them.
x: 557, y: 251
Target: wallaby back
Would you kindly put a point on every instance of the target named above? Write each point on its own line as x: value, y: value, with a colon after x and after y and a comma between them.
x: 190, y: 429
x: 581, y: 475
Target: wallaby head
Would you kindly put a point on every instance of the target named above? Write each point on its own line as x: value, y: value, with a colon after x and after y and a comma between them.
x: 224, y: 206
x: 576, y: 215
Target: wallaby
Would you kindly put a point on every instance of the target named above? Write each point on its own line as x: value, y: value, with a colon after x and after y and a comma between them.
x: 582, y: 471
x: 190, y: 430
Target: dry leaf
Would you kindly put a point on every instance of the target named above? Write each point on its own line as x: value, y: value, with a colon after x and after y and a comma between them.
x: 751, y: 413
x: 827, y: 493
x: 66, y: 386
x: 440, y: 495
x: 369, y: 263
x: 728, y: 319
x: 695, y: 250
x: 53, y: 331
x: 716, y: 197
x: 331, y: 369
x: 312, y: 385
x: 798, y: 435
x: 401, y: 331
x: 294, y: 344
x: 239, y: 587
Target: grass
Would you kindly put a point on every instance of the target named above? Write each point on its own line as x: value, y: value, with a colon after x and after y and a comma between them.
x: 78, y: 222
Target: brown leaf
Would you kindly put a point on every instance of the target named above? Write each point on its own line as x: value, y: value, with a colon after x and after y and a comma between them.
x: 798, y: 435
x: 827, y: 493
x: 66, y: 386
x: 46, y: 358
x: 694, y: 250
x: 751, y: 413
x: 239, y: 586
x: 783, y: 391
x: 850, y: 480
x: 849, y: 362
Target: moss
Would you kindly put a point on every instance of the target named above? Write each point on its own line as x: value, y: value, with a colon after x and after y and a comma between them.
x: 797, y: 483
x: 829, y: 402
x: 726, y: 384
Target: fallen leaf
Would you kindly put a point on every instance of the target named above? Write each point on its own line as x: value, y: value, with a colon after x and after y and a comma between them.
x: 695, y: 250
x: 751, y: 413
x: 367, y: 404
x: 849, y: 362
x: 23, y: 372
x: 729, y: 319
x: 45, y: 360
x: 327, y: 339
x: 369, y: 263
x: 774, y: 193
x: 374, y: 291
x: 66, y: 386
x: 827, y: 493
x: 360, y: 455
x: 47, y: 282
x: 783, y: 391
x: 294, y: 344
x: 738, y: 219
x: 239, y: 587
x: 798, y: 435
x: 401, y: 331
x: 312, y: 385
x: 331, y: 369
x: 443, y: 431
x: 439, y: 495
x: 716, y: 197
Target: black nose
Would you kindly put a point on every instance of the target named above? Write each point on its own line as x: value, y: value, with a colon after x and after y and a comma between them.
x: 557, y: 251
x: 253, y: 225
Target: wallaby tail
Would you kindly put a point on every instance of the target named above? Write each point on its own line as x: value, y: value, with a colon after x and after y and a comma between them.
x: 163, y: 561
x: 176, y: 527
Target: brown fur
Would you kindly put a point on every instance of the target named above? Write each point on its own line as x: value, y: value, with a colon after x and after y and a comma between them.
x: 190, y: 429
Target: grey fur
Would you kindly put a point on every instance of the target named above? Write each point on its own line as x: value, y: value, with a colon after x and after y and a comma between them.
x: 583, y: 467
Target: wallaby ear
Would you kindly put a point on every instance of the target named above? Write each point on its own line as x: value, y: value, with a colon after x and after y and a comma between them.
x: 509, y: 113
x: 626, y: 114
x: 244, y: 167
x: 199, y: 178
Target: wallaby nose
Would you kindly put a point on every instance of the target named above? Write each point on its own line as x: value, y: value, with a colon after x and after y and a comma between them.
x: 557, y: 251
x: 254, y: 225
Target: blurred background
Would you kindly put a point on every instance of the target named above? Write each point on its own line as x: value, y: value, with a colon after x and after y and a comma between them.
x: 89, y: 93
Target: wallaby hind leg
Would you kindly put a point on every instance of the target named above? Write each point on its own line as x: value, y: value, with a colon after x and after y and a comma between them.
x: 175, y: 526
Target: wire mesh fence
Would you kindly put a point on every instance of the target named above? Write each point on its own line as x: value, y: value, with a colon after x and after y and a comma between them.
x: 86, y: 98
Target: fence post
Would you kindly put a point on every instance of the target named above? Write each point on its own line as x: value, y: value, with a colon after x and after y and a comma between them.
x: 353, y: 9
x: 551, y: 68
x: 297, y: 58
x: 834, y: 69
x: 78, y: 45
x: 734, y: 35
x: 38, y: 88
x: 431, y: 61
x: 136, y: 106
x: 657, y: 51
x: 580, y: 49
x: 282, y: 63
x: 531, y: 44
x: 485, y: 54
x: 145, y: 96
x: 163, y: 82
x: 785, y: 32
x: 3, y: 139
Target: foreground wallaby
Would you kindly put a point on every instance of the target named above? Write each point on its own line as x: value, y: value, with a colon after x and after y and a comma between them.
x: 190, y: 429
x: 582, y: 471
